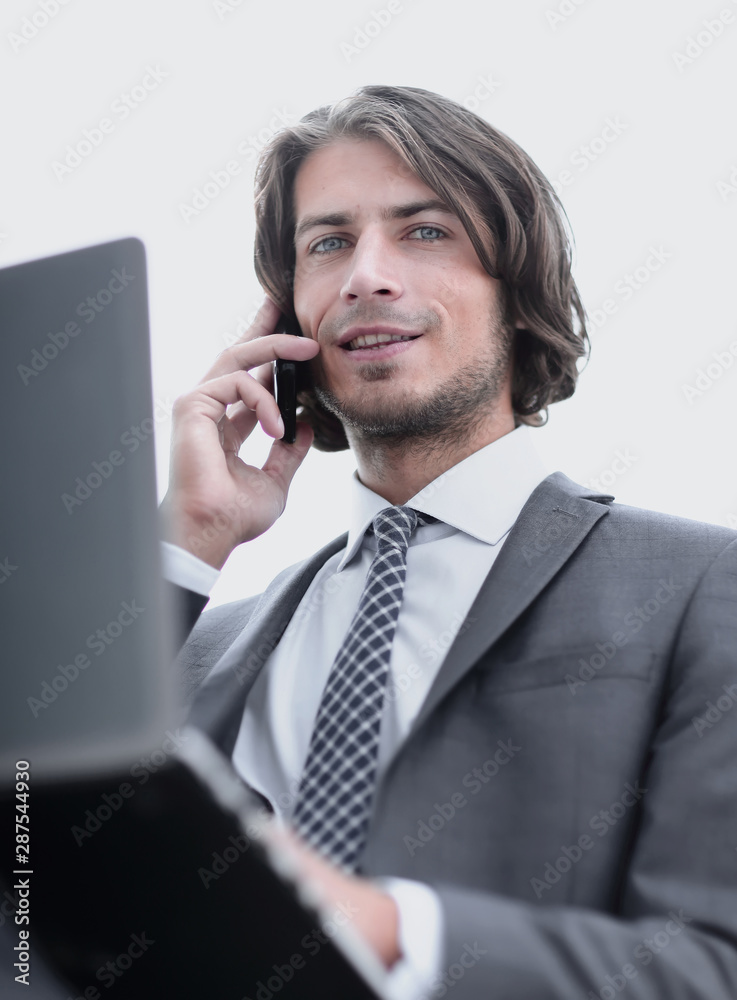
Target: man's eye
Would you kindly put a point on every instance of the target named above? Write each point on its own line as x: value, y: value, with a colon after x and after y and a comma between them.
x: 329, y: 244
x: 428, y: 233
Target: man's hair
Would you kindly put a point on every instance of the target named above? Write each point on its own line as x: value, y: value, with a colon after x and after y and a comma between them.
x: 508, y: 208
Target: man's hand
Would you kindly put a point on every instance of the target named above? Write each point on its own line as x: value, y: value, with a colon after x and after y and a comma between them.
x: 376, y: 917
x: 215, y: 500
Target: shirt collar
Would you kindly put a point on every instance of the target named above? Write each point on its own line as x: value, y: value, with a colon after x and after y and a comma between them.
x: 481, y: 495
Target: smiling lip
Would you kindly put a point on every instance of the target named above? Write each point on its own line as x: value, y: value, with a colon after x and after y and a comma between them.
x: 386, y: 349
x: 381, y: 351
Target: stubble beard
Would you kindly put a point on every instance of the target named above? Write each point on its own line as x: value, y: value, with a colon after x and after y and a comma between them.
x: 465, y: 399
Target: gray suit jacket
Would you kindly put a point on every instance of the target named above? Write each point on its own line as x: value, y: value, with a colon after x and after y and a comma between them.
x: 569, y: 787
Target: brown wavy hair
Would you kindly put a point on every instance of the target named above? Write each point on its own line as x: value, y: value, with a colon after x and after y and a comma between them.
x: 510, y: 211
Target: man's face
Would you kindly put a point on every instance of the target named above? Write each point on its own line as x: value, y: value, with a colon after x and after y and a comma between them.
x: 377, y: 253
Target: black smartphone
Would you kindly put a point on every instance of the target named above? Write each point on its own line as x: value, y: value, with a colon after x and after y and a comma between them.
x: 289, y: 378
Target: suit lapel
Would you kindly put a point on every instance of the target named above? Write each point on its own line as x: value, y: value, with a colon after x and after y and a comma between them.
x: 553, y: 523
x: 220, y: 701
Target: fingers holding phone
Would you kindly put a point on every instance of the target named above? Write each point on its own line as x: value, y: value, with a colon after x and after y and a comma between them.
x: 215, y: 499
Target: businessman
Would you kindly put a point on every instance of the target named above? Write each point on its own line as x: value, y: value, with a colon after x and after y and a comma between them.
x: 496, y: 713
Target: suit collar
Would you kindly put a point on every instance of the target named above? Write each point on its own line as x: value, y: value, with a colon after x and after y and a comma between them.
x: 481, y: 495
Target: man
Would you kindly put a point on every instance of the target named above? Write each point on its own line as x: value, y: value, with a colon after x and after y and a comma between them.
x: 525, y: 779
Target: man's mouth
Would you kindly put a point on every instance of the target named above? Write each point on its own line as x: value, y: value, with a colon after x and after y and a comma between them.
x: 376, y: 340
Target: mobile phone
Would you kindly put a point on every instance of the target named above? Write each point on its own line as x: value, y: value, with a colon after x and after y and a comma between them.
x: 289, y: 378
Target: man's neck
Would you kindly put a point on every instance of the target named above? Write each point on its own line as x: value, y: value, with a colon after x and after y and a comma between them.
x: 397, y: 470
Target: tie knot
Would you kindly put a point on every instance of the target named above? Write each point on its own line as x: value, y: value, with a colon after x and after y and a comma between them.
x: 393, y: 526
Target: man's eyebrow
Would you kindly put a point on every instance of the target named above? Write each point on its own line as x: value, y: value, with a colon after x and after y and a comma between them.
x: 392, y: 212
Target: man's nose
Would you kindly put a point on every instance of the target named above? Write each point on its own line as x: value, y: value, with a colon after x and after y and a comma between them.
x: 373, y: 270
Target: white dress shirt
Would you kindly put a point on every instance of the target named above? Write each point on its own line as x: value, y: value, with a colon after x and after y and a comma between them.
x: 476, y: 503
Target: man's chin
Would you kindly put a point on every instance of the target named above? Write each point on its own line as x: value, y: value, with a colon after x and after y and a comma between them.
x: 375, y: 417
x: 394, y: 410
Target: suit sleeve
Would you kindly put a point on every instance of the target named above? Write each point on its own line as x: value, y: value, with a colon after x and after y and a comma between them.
x: 675, y: 934
x: 188, y: 607
x: 189, y: 581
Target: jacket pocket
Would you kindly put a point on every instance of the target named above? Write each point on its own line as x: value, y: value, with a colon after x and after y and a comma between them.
x: 570, y: 667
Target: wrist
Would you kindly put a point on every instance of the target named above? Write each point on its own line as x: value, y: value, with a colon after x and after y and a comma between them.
x: 206, y: 536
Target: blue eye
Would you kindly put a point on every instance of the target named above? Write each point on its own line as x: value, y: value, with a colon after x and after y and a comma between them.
x: 429, y: 233
x: 328, y: 239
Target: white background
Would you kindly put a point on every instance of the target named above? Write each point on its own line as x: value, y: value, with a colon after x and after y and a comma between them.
x: 555, y: 80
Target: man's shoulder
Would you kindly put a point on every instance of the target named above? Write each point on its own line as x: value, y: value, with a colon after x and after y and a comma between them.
x: 674, y: 524
x: 658, y: 534
x: 644, y: 526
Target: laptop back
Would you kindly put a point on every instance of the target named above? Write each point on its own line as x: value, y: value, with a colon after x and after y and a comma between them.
x: 86, y: 637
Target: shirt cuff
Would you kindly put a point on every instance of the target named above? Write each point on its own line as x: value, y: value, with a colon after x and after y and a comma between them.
x: 420, y: 938
x: 186, y: 570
